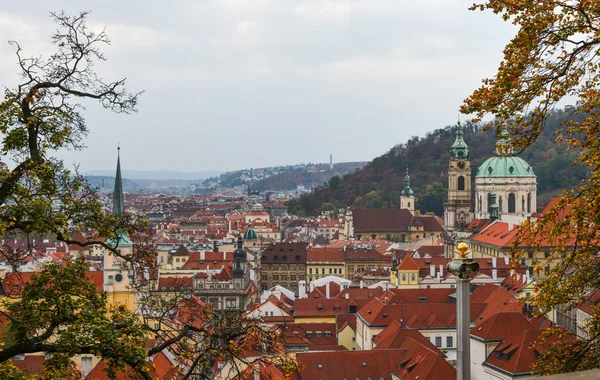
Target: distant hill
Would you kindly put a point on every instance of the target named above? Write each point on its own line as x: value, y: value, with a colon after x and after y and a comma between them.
x: 319, y: 176
x: 156, y: 175
x: 379, y: 183
x: 283, y: 177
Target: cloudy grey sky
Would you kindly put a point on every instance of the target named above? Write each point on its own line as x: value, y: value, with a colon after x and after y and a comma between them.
x: 249, y: 83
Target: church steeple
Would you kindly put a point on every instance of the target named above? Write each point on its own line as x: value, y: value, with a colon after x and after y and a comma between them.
x: 407, y: 197
x: 118, y: 199
x: 459, y: 149
x: 407, y: 190
x: 239, y: 260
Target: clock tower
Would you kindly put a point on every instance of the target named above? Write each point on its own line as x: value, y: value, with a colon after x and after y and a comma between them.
x: 458, y: 207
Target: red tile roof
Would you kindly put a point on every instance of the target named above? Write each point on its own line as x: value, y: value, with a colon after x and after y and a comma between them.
x: 325, y: 255
x: 395, y: 334
x: 408, y: 264
x: 382, y: 220
x: 349, y: 364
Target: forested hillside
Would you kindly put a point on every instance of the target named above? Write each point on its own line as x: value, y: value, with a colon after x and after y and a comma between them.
x: 378, y: 184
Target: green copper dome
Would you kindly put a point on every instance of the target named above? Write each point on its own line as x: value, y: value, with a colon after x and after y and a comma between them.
x: 505, y: 164
x: 508, y: 166
x: 250, y: 234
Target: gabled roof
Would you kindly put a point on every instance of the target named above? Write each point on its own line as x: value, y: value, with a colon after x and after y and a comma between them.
x: 395, y: 334
x: 408, y: 264
x: 182, y: 251
x: 501, y: 326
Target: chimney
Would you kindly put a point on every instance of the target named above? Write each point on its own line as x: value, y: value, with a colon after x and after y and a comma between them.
x: 215, y: 246
x: 362, y: 284
x: 224, y: 256
x: 495, y: 274
x: 302, y: 289
x: 493, y: 262
x: 512, y: 273
x: 327, y: 295
x: 506, y: 260
x: 441, y: 270
x: 312, y: 286
x: 347, y: 295
x: 527, y: 274
x: 432, y: 270
x: 201, y: 255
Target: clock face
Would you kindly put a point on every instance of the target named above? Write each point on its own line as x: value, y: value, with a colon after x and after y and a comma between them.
x: 461, y: 164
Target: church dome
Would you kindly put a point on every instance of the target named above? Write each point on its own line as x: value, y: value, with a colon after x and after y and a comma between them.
x: 504, y: 164
x: 508, y: 166
x: 250, y: 234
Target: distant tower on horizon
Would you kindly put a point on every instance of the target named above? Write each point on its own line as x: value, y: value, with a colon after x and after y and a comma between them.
x: 331, y: 161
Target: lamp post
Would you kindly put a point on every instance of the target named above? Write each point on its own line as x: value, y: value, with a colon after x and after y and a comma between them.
x: 462, y: 267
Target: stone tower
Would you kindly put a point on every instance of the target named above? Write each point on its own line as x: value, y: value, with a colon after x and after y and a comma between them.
x: 458, y: 207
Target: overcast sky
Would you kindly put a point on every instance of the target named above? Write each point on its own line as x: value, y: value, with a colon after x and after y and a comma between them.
x: 233, y: 84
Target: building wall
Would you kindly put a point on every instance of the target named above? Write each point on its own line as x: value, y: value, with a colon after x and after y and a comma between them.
x: 347, y: 338
x: 316, y: 270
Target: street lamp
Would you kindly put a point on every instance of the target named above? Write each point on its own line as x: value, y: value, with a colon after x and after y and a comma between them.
x: 462, y: 267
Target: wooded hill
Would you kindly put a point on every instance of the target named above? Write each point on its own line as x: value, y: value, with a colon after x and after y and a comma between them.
x: 379, y: 183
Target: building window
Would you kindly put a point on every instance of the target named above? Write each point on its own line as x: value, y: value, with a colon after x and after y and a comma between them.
x: 404, y: 277
x: 511, y: 203
x: 412, y: 277
x: 310, y: 270
x: 449, y: 342
x: 230, y: 302
x: 461, y: 183
x: 438, y: 341
x: 528, y: 202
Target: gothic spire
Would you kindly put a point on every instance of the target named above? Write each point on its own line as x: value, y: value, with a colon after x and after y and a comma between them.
x: 118, y: 199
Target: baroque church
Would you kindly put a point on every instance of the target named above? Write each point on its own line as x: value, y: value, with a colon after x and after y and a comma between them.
x: 505, y: 186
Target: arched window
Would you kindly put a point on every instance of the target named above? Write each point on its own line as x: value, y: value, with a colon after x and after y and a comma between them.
x: 511, y: 203
x: 522, y: 203
x: 529, y: 202
x: 408, y: 204
x: 500, y: 203
x: 461, y: 183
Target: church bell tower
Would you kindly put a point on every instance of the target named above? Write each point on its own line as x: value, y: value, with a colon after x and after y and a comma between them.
x: 458, y: 207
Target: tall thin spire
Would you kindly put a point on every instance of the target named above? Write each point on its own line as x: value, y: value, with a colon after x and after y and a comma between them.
x: 118, y: 200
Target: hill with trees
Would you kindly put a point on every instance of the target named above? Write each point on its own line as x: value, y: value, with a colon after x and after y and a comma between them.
x: 379, y: 183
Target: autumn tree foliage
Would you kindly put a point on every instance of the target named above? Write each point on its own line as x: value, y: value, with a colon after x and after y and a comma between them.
x: 553, y: 58
x: 59, y: 311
